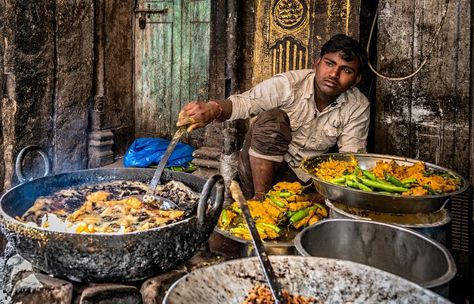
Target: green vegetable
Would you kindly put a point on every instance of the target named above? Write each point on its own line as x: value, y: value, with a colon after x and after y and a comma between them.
x: 431, y: 191
x: 369, y: 175
x: 356, y: 171
x: 359, y: 186
x: 409, y: 181
x: 237, y: 210
x: 224, y: 218
x: 271, y: 226
x: 285, y: 193
x: 275, y: 201
x: 364, y: 187
x: 299, y: 215
x: 382, y: 186
x: 393, y: 180
x: 338, y: 180
x: 352, y: 184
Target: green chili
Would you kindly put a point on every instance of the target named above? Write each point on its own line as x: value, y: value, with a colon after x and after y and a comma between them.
x: 224, y: 218
x: 393, y: 180
x: 356, y: 170
x: 409, y: 181
x: 369, y: 175
x: 382, y: 186
x: 357, y: 185
x: 275, y: 201
x: 299, y: 215
x: 431, y: 190
x: 271, y: 226
x: 338, y: 180
x: 352, y: 184
x: 237, y: 210
x: 364, y: 187
x: 285, y: 193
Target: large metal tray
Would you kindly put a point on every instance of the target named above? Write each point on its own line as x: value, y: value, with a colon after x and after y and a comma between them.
x: 378, y: 201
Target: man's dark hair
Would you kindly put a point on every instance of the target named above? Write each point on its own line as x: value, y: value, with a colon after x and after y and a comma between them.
x: 349, y: 47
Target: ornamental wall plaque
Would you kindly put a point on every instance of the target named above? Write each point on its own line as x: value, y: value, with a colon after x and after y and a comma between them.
x: 289, y: 15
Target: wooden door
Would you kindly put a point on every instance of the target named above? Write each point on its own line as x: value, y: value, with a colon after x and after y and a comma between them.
x: 171, y: 61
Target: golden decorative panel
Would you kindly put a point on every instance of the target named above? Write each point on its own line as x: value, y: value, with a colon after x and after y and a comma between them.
x: 288, y: 32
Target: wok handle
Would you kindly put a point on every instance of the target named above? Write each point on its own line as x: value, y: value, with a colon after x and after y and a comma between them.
x: 203, y: 212
x: 21, y: 156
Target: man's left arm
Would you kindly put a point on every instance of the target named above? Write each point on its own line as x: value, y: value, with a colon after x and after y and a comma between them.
x: 354, y: 133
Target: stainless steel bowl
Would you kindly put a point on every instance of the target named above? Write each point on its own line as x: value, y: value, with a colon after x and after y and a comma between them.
x: 378, y: 201
x: 282, y: 246
x: 329, y: 280
x: 394, y: 249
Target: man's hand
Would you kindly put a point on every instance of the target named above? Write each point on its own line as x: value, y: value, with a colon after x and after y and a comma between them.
x: 198, y: 114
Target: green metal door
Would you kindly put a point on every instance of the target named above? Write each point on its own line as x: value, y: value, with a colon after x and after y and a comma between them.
x: 171, y: 61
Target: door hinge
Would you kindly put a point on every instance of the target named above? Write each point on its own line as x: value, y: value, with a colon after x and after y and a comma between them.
x: 145, y: 13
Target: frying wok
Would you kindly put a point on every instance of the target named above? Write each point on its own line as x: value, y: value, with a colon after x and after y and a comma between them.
x: 381, y: 202
x: 329, y: 280
x: 109, y: 257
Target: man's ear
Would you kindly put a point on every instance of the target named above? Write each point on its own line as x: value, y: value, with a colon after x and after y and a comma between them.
x: 316, y: 62
x: 357, y: 80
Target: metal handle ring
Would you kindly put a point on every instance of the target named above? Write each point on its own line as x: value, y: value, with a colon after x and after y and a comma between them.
x: 21, y: 157
x: 218, y: 182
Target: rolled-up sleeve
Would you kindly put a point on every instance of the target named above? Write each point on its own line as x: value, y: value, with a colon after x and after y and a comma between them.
x: 271, y: 93
x: 354, y: 134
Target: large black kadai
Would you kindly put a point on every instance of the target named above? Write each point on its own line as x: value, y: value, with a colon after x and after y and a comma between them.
x: 102, y: 257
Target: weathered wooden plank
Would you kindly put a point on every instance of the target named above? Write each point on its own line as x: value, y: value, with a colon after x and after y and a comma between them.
x: 156, y: 50
x: 195, y: 59
x: 394, y: 59
x: 74, y: 50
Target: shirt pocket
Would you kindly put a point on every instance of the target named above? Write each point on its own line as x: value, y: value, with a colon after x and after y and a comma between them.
x: 323, y: 139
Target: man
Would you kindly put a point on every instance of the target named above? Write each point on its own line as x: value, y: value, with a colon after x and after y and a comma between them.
x: 299, y: 114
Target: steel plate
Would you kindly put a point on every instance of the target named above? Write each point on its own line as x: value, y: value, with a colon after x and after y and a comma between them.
x: 379, y: 201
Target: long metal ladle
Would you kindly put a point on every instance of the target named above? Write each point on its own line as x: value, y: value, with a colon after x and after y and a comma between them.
x: 272, y: 281
x: 150, y: 197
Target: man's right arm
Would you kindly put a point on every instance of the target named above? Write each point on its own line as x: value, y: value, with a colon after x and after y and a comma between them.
x: 271, y: 93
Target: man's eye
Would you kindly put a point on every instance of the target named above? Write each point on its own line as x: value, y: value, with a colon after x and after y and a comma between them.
x: 348, y: 71
x: 329, y: 63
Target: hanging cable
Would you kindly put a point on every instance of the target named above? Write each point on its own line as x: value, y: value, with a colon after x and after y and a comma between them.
x: 425, y: 60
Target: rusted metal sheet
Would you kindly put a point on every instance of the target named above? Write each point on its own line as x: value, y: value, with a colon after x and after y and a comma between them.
x: 289, y: 32
x: 171, y: 62
x: 427, y: 116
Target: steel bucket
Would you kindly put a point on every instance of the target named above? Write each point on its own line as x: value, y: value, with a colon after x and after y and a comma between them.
x: 394, y: 249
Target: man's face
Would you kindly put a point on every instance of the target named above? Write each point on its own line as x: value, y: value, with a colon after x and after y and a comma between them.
x: 335, y: 75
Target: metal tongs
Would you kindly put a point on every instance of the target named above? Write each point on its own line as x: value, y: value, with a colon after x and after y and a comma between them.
x: 275, y: 287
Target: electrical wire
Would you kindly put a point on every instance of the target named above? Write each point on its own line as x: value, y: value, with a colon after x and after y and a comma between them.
x: 425, y: 60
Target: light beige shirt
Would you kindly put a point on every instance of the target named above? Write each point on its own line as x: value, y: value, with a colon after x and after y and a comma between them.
x: 345, y: 121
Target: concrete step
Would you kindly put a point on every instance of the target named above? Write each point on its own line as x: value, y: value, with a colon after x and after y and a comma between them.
x: 207, y: 153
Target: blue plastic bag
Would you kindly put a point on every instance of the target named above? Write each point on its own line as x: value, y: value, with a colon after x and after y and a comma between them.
x: 146, y: 152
